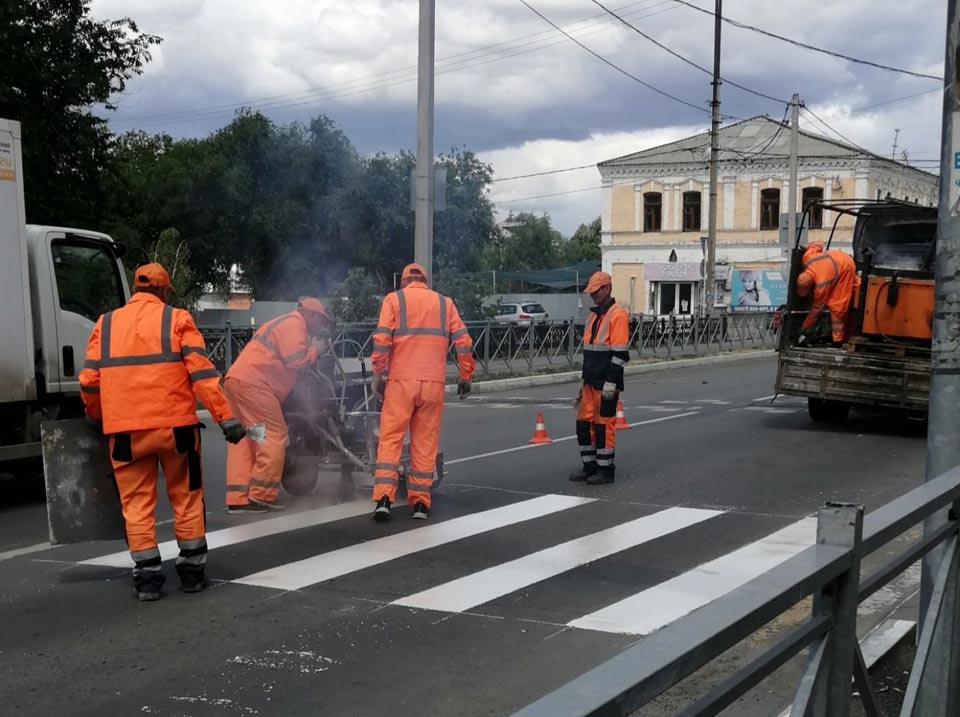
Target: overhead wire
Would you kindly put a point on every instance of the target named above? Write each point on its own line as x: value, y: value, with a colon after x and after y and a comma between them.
x: 545, y: 39
x: 685, y: 59
x: 808, y: 46
x: 611, y: 64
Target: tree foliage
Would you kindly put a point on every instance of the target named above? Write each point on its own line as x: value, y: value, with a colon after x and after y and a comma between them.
x: 56, y: 63
x: 584, y: 245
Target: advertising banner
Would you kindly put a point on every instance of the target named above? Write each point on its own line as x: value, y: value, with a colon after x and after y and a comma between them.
x: 756, y: 290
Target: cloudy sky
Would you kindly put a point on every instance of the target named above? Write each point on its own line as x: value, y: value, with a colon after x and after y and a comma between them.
x: 523, y: 96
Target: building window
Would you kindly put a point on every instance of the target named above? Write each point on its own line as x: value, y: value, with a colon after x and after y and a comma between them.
x: 811, y: 195
x: 720, y: 298
x: 691, y: 211
x: 673, y: 297
x: 770, y: 209
x: 652, y: 211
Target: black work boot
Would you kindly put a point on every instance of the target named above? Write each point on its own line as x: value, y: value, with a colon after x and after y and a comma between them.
x: 600, y: 477
x: 585, y: 473
x: 381, y: 513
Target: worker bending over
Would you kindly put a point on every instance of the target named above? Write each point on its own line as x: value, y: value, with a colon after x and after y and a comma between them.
x: 832, y: 277
x: 256, y: 385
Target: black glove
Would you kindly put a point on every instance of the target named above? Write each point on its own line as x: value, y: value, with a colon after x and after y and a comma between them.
x: 233, y: 430
x: 463, y: 388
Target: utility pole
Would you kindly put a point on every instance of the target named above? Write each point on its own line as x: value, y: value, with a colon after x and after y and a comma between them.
x: 794, y: 160
x: 896, y: 137
x: 710, y: 278
x: 943, y: 443
x: 423, y: 209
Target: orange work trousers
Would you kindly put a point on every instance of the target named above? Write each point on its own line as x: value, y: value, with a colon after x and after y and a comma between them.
x: 135, y: 457
x: 254, y: 469
x: 417, y: 405
x: 596, y: 432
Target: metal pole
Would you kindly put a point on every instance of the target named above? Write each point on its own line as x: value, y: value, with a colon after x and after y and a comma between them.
x: 943, y: 447
x: 710, y: 287
x: 423, y: 210
x: 794, y: 151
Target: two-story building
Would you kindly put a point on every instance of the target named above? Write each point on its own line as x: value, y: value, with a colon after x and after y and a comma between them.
x: 656, y: 204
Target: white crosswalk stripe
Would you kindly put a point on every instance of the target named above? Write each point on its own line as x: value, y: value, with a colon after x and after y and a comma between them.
x: 661, y: 604
x: 327, y: 566
x: 477, y: 588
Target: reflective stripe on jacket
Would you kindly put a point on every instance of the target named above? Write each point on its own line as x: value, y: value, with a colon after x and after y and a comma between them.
x: 605, y: 345
x: 275, y: 355
x: 414, y: 332
x: 145, y: 368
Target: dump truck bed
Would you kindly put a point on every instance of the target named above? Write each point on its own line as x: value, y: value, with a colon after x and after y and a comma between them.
x: 858, y: 378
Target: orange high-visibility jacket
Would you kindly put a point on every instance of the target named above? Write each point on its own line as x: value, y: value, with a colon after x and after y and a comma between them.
x: 606, y: 350
x: 415, y: 330
x: 834, y: 279
x: 275, y: 355
x: 145, y: 368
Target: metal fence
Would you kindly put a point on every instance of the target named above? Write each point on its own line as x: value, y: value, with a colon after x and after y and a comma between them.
x: 502, y: 349
x: 830, y: 572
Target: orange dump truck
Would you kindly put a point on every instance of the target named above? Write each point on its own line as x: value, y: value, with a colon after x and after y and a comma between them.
x: 883, y: 361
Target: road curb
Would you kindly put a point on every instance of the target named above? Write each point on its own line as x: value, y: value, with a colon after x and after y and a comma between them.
x: 551, y: 379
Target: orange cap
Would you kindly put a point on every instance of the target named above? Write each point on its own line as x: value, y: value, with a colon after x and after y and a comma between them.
x: 597, y: 282
x: 151, y: 276
x: 414, y: 271
x: 308, y: 303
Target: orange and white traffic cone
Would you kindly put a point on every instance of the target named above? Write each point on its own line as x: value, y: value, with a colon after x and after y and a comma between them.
x: 540, y: 432
x: 621, y: 424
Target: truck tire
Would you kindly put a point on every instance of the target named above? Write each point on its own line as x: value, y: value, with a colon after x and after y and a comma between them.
x: 300, y: 474
x: 825, y: 411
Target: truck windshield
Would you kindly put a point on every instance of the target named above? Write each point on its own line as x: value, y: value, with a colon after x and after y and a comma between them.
x: 88, y: 278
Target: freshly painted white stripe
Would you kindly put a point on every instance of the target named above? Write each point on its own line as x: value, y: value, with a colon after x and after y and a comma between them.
x: 527, y: 446
x: 489, y: 584
x: 327, y: 566
x: 250, y: 531
x: 17, y: 552
x: 665, y: 602
x: 765, y: 398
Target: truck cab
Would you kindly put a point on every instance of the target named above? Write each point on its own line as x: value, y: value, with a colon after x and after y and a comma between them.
x: 54, y: 284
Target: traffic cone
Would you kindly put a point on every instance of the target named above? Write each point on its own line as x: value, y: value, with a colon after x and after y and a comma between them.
x: 621, y: 424
x: 540, y: 431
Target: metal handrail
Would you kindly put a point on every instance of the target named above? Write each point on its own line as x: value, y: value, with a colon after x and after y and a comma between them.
x: 830, y: 571
x: 544, y: 345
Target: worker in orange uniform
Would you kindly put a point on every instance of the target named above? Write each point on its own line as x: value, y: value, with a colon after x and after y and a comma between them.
x: 410, y: 347
x: 257, y: 384
x: 832, y: 276
x: 145, y: 368
x: 605, y: 352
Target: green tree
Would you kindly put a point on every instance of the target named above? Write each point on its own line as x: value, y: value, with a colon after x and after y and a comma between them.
x: 527, y: 242
x: 57, y: 62
x: 470, y: 291
x: 584, y: 245
x: 357, y: 298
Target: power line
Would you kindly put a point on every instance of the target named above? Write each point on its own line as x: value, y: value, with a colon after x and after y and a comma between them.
x: 684, y: 59
x: 385, y: 80
x: 883, y: 104
x: 831, y: 129
x: 849, y: 58
x: 544, y: 196
x: 611, y: 64
x: 543, y: 174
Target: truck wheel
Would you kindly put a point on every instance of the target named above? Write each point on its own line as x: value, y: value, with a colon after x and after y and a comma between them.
x: 824, y: 411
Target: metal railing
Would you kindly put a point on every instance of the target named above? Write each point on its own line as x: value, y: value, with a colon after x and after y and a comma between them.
x: 830, y: 572
x: 501, y: 349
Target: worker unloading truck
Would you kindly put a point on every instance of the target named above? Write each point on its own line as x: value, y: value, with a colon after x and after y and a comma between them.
x: 54, y: 284
x: 858, y: 330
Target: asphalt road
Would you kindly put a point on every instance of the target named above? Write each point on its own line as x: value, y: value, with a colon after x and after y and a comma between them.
x: 519, y: 581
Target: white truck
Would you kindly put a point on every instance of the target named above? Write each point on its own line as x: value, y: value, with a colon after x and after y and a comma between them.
x: 54, y: 283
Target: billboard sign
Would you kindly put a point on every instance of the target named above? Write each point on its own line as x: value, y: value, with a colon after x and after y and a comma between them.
x: 756, y: 290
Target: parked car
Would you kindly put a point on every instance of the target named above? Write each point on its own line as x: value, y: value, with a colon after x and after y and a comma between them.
x: 520, y: 314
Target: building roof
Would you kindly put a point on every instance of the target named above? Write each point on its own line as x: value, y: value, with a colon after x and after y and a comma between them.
x: 751, y: 140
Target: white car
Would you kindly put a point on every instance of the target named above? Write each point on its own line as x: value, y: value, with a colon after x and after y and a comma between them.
x: 520, y: 314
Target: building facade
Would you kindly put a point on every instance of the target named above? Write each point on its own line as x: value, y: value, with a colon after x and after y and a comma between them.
x: 656, y: 208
